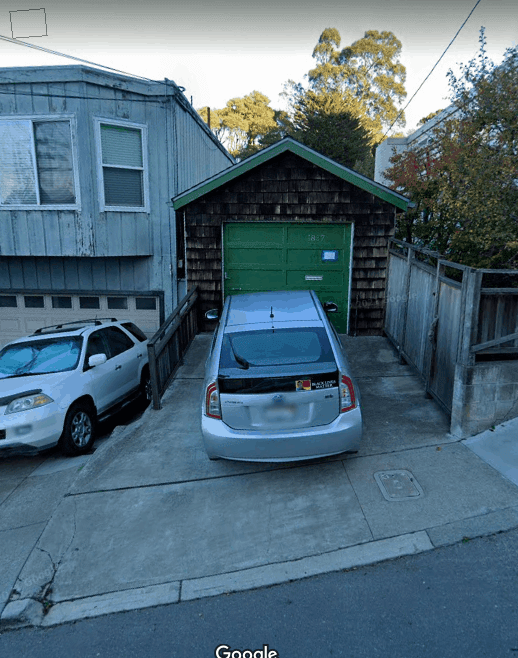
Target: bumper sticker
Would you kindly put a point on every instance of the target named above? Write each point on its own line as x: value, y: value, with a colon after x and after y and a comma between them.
x: 303, y: 385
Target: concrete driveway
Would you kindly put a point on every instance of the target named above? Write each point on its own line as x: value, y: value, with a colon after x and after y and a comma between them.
x: 150, y: 520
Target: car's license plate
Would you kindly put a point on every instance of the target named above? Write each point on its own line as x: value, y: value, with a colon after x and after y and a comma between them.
x: 278, y: 414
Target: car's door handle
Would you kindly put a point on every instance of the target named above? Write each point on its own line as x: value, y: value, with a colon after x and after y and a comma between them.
x: 118, y: 367
x: 139, y: 356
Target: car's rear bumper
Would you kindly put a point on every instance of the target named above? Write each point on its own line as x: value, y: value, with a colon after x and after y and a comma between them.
x: 342, y: 435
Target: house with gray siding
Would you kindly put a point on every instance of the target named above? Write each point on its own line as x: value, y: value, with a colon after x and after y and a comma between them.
x: 89, y: 161
x: 419, y: 139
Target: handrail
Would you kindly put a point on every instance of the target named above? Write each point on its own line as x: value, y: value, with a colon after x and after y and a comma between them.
x: 169, y: 344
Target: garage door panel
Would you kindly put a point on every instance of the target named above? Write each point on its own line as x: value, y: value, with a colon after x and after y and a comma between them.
x: 309, y: 257
x: 256, y: 234
x: 17, y: 321
x: 255, y: 256
x: 252, y: 277
x: 324, y: 236
x: 10, y: 325
x: 327, y: 280
x: 296, y: 251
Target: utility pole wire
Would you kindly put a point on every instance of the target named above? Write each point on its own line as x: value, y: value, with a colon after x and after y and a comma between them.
x: 84, y: 61
x: 434, y: 66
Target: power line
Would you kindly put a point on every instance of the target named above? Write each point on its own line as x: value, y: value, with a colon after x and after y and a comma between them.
x: 166, y: 83
x: 85, y: 61
x: 434, y: 66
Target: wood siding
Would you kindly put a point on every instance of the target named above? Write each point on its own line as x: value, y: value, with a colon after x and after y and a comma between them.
x: 97, y: 274
x: 288, y: 188
x: 181, y: 153
x: 498, y: 317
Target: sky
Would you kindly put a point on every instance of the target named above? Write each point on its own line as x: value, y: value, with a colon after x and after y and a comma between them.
x: 221, y: 49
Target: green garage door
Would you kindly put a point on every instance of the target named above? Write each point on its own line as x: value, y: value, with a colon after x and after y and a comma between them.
x: 260, y: 257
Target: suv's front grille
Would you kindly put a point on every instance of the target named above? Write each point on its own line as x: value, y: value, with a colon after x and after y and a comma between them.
x: 255, y: 385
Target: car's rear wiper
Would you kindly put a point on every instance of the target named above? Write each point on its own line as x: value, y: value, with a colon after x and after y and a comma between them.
x: 242, y: 362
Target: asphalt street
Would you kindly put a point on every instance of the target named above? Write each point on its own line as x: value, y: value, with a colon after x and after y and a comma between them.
x: 457, y: 601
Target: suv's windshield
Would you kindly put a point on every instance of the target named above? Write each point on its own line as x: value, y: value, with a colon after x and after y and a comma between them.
x: 281, y: 347
x: 40, y: 357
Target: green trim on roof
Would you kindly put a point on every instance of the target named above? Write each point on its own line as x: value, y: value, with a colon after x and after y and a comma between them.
x: 288, y: 144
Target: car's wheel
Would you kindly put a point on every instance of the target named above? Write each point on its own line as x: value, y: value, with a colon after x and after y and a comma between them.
x: 79, y: 429
x: 146, y: 394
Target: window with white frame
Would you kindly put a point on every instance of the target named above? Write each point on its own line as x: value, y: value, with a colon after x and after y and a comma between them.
x: 123, y: 166
x: 36, y: 164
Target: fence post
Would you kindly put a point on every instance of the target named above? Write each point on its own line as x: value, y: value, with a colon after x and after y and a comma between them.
x: 155, y: 388
x: 471, y: 284
x: 406, y: 298
x: 432, y: 334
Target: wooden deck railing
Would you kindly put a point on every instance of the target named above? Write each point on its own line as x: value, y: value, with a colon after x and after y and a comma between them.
x: 168, y: 346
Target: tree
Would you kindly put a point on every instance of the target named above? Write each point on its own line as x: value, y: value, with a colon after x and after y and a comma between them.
x: 242, y: 122
x: 350, y: 98
x: 323, y: 122
x: 466, y: 185
x: 367, y: 74
x: 427, y: 118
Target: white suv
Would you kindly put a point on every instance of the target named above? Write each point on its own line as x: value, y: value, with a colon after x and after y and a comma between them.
x: 57, y: 383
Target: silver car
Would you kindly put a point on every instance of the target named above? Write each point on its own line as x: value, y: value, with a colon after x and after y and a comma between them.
x: 277, y: 385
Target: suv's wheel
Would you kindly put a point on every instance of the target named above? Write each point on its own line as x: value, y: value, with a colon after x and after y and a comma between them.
x: 146, y: 394
x: 79, y: 429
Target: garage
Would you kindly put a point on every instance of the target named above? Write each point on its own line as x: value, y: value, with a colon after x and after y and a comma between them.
x: 22, y: 312
x: 284, y: 256
x: 289, y: 218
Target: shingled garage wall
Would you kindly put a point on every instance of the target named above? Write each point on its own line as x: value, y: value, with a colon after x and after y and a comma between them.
x: 291, y: 189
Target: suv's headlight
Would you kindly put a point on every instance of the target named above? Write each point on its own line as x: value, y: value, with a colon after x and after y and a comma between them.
x: 27, y: 402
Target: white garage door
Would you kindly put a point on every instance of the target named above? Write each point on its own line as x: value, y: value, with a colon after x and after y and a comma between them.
x: 22, y: 313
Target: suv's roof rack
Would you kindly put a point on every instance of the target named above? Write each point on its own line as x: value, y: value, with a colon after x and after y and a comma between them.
x: 77, y: 324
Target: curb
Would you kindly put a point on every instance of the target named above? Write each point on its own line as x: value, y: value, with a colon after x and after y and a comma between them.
x: 29, y: 612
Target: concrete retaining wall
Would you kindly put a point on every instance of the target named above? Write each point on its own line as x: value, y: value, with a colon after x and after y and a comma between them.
x: 484, y: 395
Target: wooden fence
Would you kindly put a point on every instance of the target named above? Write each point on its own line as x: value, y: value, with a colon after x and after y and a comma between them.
x: 437, y: 322
x: 168, y: 346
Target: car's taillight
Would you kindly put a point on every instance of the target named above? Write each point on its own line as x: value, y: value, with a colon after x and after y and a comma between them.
x: 212, y: 405
x: 347, y: 395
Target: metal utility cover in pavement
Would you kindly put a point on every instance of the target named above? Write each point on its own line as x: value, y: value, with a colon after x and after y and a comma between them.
x: 398, y: 485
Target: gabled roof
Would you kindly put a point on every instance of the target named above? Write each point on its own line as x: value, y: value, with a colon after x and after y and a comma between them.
x: 289, y: 144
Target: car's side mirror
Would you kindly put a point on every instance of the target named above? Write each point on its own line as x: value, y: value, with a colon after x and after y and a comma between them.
x: 213, y: 314
x: 330, y: 307
x: 97, y: 360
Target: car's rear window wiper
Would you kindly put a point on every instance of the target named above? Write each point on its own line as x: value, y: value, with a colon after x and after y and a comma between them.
x: 242, y: 362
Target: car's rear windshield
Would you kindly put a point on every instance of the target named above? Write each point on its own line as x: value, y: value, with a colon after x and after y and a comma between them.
x: 255, y: 349
x: 135, y: 331
x: 40, y: 357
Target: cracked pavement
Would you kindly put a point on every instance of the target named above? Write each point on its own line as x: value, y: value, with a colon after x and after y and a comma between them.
x: 31, y: 488
x: 150, y: 520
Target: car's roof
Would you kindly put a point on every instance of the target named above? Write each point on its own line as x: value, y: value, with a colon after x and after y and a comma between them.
x: 286, y: 306
x: 79, y: 330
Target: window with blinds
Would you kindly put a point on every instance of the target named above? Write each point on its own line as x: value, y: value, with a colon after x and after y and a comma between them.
x: 36, y: 167
x: 122, y: 166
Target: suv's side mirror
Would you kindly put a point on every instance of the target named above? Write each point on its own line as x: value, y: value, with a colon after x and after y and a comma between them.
x: 213, y: 314
x: 97, y: 360
x: 330, y: 307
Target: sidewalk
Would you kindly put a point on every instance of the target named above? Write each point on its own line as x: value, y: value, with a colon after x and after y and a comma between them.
x: 150, y: 520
